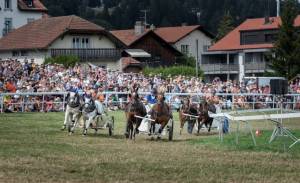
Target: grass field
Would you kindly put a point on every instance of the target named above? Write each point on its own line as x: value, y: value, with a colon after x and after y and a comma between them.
x: 33, y: 149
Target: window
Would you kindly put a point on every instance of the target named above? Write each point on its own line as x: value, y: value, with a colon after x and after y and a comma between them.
x: 185, y: 49
x: 24, y: 53
x: 81, y: 42
x: 7, y: 26
x: 15, y: 53
x: 7, y: 4
x: 30, y: 20
x: 29, y: 3
x: 270, y: 38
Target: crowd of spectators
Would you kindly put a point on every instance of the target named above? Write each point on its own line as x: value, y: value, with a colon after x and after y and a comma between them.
x: 28, y: 77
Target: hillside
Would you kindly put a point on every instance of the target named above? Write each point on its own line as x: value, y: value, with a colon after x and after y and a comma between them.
x: 122, y: 14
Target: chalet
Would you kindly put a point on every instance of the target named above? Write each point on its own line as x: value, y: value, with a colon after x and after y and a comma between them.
x: 242, y: 52
x: 66, y: 35
x: 162, y: 53
x: 16, y: 13
x: 189, y: 40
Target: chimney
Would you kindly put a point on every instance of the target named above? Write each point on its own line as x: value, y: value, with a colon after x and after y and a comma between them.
x: 152, y: 27
x: 139, y: 28
x: 267, y: 20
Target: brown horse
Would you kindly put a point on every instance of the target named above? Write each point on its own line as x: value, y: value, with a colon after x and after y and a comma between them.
x: 191, y: 109
x: 134, y: 108
x: 204, y: 118
x: 161, y: 114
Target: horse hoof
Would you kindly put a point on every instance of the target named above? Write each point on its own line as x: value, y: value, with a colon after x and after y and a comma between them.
x: 152, y: 138
x: 63, y: 128
x: 158, y: 138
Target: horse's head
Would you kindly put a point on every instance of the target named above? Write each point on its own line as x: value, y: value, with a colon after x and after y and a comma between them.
x: 73, y: 98
x: 185, y: 105
x: 87, y: 101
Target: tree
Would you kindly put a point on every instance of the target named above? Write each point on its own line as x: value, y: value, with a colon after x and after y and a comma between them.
x: 225, y: 26
x: 285, y: 56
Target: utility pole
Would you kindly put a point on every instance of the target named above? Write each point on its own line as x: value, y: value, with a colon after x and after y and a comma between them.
x: 145, y: 16
x: 278, y: 8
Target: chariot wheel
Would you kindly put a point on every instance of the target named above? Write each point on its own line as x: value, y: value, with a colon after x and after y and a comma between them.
x: 171, y: 129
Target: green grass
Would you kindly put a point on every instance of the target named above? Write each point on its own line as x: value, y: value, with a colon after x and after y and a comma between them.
x: 33, y: 149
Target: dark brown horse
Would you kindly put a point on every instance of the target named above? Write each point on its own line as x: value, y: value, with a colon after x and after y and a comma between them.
x: 204, y: 118
x: 161, y: 114
x: 134, y: 108
x: 191, y: 109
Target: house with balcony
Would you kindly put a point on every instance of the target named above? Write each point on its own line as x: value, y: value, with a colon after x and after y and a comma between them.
x: 66, y: 35
x: 16, y: 13
x: 242, y: 52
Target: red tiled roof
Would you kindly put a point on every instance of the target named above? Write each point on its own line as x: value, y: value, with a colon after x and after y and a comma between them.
x: 232, y: 40
x: 169, y: 34
x: 174, y: 34
x: 127, y: 61
x: 41, y: 33
x: 37, y: 6
x: 128, y: 36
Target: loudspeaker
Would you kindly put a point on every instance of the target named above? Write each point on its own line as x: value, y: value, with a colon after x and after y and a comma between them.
x: 279, y: 86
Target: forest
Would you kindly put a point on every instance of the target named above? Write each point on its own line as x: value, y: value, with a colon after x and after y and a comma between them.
x: 122, y: 14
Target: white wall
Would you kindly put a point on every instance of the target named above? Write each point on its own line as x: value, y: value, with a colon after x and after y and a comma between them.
x: 95, y: 42
x: 38, y: 56
x: 67, y: 43
x: 190, y: 40
x: 19, y: 18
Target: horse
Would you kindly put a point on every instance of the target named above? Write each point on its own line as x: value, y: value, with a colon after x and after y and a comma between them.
x: 91, y: 112
x: 73, y: 111
x: 161, y: 114
x: 133, y: 109
x: 204, y: 118
x: 191, y: 109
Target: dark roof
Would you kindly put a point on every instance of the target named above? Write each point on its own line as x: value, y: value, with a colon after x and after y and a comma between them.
x: 129, y: 38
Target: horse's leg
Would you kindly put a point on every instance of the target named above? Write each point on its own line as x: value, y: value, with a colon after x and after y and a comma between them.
x: 199, y: 125
x: 66, y: 119
x: 87, y: 125
x: 182, y: 121
x: 210, y: 123
x: 162, y: 126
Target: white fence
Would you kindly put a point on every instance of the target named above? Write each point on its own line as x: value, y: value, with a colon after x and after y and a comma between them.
x: 36, y: 102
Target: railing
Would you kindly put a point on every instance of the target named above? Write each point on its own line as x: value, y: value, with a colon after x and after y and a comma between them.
x: 89, y: 53
x: 55, y: 102
x: 256, y: 67
x: 220, y: 68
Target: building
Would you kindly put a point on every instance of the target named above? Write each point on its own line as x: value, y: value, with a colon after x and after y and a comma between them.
x: 67, y: 35
x: 16, y: 13
x: 242, y: 52
x: 162, y: 53
x: 190, y: 40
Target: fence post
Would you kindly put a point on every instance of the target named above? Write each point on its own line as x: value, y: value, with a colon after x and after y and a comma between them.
x: 43, y: 102
x: 23, y: 103
x: 232, y: 104
x: 2, y: 103
x: 64, y: 101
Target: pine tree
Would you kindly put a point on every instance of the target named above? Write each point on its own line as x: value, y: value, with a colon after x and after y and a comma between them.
x: 285, y: 56
x: 225, y: 26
